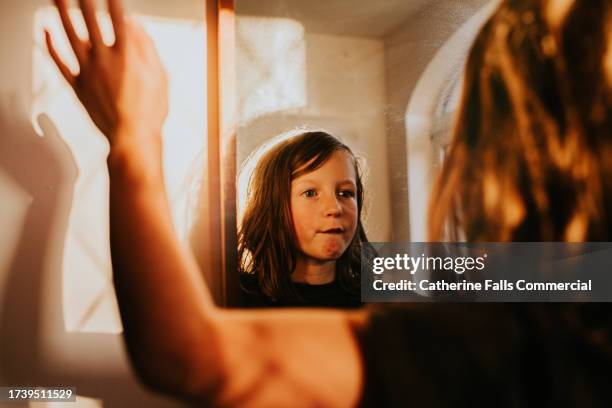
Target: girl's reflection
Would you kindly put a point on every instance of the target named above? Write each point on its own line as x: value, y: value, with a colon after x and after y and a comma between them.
x: 301, y: 235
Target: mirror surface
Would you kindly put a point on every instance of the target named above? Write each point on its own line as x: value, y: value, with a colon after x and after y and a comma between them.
x: 383, y: 76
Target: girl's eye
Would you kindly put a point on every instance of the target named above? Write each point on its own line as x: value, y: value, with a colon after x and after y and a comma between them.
x: 347, y: 193
x: 309, y: 193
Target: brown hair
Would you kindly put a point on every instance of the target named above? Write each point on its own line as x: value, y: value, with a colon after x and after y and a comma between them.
x: 531, y: 155
x: 266, y: 239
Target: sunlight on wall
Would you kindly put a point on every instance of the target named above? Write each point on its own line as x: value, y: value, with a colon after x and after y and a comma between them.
x: 88, y: 298
x: 275, y: 75
x: 81, y: 402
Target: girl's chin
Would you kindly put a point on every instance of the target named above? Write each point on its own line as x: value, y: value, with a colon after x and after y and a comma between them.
x: 327, y: 250
x: 323, y: 255
x: 333, y: 248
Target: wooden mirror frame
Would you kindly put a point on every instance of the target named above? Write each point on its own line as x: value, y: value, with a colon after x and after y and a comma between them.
x: 218, y: 258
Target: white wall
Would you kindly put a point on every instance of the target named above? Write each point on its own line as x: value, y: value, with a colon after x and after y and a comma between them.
x: 431, y: 114
x: 408, y: 51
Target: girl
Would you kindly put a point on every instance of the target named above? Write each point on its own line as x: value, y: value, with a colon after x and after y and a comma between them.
x: 301, y: 235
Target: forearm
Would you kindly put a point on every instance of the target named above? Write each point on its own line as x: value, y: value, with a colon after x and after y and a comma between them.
x: 165, y: 306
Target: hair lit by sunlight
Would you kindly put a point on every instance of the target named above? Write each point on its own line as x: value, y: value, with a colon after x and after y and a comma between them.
x: 88, y: 297
x: 608, y: 57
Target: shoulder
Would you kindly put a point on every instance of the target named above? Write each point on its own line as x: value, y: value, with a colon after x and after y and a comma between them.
x: 251, y: 292
x: 248, y: 281
x: 475, y: 346
x: 327, y: 295
x: 429, y: 346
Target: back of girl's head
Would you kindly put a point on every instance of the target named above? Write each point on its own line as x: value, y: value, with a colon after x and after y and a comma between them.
x: 266, y: 239
x: 531, y: 155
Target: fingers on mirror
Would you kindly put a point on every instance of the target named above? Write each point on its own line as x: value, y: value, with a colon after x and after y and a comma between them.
x: 115, y: 9
x: 88, y: 8
x: 64, y: 70
x: 78, y: 46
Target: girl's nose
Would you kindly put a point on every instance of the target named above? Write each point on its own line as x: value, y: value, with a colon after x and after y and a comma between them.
x: 333, y: 207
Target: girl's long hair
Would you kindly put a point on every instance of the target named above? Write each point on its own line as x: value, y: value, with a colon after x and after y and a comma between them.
x: 531, y: 155
x: 266, y: 238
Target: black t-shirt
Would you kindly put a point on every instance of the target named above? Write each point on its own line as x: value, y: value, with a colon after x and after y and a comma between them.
x: 467, y: 355
x: 327, y: 295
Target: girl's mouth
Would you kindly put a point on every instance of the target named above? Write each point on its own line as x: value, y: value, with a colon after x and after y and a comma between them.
x: 337, y: 230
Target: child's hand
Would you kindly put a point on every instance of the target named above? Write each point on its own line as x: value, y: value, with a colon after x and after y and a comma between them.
x: 123, y: 87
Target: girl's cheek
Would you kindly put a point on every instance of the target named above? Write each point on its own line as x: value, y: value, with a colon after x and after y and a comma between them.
x: 351, y: 208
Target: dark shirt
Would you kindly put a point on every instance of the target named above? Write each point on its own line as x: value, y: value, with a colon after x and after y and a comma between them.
x: 326, y: 295
x: 469, y: 355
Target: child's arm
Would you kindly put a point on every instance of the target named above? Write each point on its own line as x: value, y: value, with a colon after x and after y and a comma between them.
x: 178, y: 340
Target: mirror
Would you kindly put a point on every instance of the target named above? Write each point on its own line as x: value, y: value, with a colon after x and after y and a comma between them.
x: 383, y: 76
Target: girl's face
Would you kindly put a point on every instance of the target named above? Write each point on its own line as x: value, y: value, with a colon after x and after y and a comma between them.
x: 324, y: 208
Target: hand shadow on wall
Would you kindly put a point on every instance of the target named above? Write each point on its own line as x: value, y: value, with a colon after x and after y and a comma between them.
x: 44, y: 167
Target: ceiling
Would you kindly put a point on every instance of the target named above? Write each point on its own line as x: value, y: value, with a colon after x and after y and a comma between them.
x: 181, y: 9
x: 361, y: 18
x: 368, y: 18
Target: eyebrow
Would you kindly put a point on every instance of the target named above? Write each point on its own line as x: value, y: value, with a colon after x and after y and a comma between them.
x: 346, y: 181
